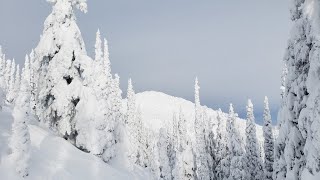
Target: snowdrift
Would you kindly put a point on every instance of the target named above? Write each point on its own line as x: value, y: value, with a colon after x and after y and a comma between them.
x: 53, y: 158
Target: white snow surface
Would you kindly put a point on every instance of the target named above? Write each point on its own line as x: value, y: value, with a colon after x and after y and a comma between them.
x: 53, y: 158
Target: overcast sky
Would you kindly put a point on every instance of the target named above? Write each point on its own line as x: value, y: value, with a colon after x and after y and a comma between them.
x: 234, y: 47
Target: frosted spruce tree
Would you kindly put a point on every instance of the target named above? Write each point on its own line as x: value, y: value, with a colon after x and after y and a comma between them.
x: 202, y: 169
x: 59, y: 60
x: 165, y: 169
x: 11, y: 89
x: 2, y: 78
x: 172, y: 129
x: 297, y: 146
x: 7, y: 75
x: 252, y: 161
x: 2, y: 70
x: 17, y: 82
x: 98, y: 47
x: 20, y: 139
x: 222, y: 152
x: 268, y: 141
x: 131, y: 124
x: 140, y: 137
x: 106, y: 60
x: 236, y: 171
x: 283, y: 80
x: 184, y: 165
x: 210, y: 142
x: 33, y: 85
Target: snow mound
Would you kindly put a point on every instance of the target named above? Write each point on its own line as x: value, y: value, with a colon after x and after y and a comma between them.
x: 53, y: 158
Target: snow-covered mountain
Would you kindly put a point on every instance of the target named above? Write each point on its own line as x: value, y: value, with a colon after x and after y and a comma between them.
x: 158, y: 109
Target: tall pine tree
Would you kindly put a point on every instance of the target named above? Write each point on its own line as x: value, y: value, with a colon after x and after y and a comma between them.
x: 268, y: 141
x: 252, y: 164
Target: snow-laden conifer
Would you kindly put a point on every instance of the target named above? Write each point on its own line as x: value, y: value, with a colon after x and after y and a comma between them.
x: 252, y: 161
x: 222, y: 152
x: 2, y: 70
x: 235, y: 150
x: 106, y: 60
x: 184, y: 165
x: 132, y: 125
x: 165, y: 169
x: 20, y: 139
x: 268, y: 141
x: 297, y: 149
x: 17, y: 82
x: 202, y: 168
x: 7, y: 75
x: 60, y: 60
x: 98, y: 47
x: 11, y: 89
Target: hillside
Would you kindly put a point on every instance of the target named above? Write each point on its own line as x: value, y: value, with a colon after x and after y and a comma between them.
x: 53, y: 158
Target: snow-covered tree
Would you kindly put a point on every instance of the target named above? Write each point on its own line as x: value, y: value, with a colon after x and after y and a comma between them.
x: 131, y: 104
x: 184, y: 165
x: 172, y: 147
x: 27, y: 67
x: 210, y: 143
x: 117, y: 100
x: 11, y: 90
x: 268, y: 141
x: 7, y: 75
x: 252, y: 161
x: 106, y: 60
x: 2, y: 78
x: 2, y: 70
x: 236, y: 171
x: 202, y: 169
x: 20, y: 140
x: 33, y: 86
x: 98, y: 47
x: 297, y: 149
x: 17, y: 82
x: 283, y: 80
x: 165, y: 169
x: 222, y: 152
x: 132, y: 124
x: 60, y: 60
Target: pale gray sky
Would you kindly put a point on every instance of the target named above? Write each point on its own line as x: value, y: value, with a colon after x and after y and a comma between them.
x: 234, y: 47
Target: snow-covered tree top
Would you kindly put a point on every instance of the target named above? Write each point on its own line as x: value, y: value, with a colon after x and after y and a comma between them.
x: 130, y: 87
x: 98, y: 47
x: 196, y: 91
x: 231, y: 111
x: 249, y: 106
x: 106, y: 50
x: 63, y: 4
x: 266, y: 102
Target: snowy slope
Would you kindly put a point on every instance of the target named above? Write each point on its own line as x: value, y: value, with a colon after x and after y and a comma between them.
x: 54, y: 158
x: 158, y: 109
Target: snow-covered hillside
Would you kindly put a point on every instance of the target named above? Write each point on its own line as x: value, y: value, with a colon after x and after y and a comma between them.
x: 54, y: 158
x: 158, y: 109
